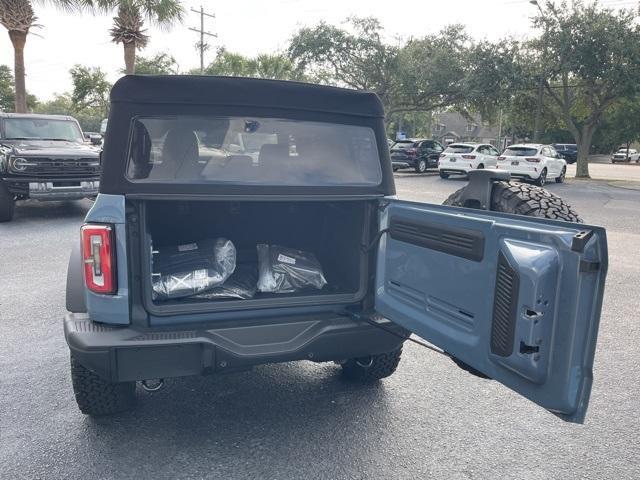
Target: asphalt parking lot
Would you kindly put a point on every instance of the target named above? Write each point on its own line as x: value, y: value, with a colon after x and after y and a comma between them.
x: 302, y: 420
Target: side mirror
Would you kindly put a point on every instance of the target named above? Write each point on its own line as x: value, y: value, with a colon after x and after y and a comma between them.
x: 95, y: 139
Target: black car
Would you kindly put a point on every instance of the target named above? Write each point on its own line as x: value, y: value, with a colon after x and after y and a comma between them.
x: 199, y: 257
x: 44, y: 157
x: 568, y: 151
x: 418, y: 154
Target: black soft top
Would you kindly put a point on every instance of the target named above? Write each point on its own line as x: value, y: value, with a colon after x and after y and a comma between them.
x: 238, y: 91
x: 136, y: 96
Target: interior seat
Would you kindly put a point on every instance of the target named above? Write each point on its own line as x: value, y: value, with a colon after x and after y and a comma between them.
x: 180, y: 155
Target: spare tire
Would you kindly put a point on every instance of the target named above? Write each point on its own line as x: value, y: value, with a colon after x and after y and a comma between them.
x: 525, y: 199
x: 520, y: 199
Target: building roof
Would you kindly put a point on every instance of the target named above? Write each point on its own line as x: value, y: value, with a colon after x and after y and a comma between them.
x: 456, y: 125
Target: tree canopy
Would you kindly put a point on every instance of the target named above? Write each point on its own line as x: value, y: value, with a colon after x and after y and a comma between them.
x: 90, y: 89
x: 158, y: 64
x: 274, y: 66
x: 591, y: 59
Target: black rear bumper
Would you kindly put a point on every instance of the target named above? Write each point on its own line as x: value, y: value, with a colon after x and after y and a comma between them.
x: 125, y: 353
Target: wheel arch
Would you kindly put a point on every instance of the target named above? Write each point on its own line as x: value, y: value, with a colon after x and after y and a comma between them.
x: 75, y: 299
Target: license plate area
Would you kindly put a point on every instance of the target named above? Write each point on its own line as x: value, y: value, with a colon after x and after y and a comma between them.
x: 515, y: 162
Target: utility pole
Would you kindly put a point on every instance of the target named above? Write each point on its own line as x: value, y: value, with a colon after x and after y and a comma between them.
x: 540, y: 99
x: 201, y: 45
x: 500, y: 144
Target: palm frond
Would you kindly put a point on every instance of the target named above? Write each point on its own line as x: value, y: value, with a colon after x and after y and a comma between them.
x: 128, y: 26
x: 17, y: 15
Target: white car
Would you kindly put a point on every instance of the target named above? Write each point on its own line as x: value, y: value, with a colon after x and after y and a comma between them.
x: 461, y: 158
x: 533, y: 162
x: 624, y: 155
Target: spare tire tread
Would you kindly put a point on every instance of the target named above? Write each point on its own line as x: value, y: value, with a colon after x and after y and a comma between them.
x: 526, y: 199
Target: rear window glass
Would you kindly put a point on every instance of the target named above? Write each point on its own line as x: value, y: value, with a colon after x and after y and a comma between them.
x: 459, y: 149
x: 573, y: 148
x: 402, y: 145
x: 520, y: 152
x: 243, y: 150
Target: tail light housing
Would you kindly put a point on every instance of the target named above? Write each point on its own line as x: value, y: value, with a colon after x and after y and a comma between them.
x: 532, y: 159
x: 98, y: 258
x: 442, y: 155
x: 469, y: 157
x: 411, y: 152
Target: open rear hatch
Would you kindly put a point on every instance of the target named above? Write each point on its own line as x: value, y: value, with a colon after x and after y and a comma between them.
x: 334, y: 232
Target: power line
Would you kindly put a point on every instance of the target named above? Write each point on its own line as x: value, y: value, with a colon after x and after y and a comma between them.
x: 201, y: 45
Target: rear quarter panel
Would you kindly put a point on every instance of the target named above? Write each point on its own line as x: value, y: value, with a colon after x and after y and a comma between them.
x: 113, y: 309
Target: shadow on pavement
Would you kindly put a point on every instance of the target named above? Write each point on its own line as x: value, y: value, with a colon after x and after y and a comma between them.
x: 34, y: 210
x: 273, y: 410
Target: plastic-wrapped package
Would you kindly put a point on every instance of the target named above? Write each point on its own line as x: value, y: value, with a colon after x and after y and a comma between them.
x: 241, y: 285
x: 184, y: 270
x: 286, y: 270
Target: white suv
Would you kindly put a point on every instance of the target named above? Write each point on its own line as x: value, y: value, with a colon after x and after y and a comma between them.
x: 461, y: 158
x: 533, y: 162
x: 624, y: 155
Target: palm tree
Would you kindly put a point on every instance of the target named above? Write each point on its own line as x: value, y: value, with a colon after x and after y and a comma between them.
x: 128, y: 24
x: 18, y: 17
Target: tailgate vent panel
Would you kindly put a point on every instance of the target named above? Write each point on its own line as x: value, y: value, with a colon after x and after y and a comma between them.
x: 505, y: 308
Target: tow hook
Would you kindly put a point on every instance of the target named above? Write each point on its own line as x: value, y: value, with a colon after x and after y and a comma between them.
x: 152, y: 385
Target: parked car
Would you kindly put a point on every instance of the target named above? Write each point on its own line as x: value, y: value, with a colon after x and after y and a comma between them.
x: 624, y: 155
x: 415, y: 153
x: 94, y: 138
x: 568, y: 151
x: 44, y: 157
x: 381, y: 267
x: 461, y: 158
x: 533, y: 162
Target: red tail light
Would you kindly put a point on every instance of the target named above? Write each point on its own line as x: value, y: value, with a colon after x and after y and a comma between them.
x: 502, y: 158
x: 532, y: 159
x: 98, y: 257
x: 411, y: 152
x: 469, y: 157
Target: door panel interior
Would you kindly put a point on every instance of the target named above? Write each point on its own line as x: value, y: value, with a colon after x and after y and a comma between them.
x: 517, y: 298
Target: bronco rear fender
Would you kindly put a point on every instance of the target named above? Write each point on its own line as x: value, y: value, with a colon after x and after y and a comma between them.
x: 75, y: 282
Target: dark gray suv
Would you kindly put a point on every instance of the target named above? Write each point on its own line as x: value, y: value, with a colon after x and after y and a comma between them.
x: 244, y: 222
x: 44, y: 157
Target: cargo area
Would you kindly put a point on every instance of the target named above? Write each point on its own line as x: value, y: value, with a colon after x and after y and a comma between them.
x: 333, y: 232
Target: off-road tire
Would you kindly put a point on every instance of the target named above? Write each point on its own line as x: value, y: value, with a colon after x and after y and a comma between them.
x: 444, y: 175
x: 525, y: 199
x: 96, y: 396
x: 7, y: 203
x: 372, y: 368
x: 419, y: 166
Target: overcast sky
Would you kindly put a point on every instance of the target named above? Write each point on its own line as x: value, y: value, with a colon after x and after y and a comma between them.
x: 248, y: 27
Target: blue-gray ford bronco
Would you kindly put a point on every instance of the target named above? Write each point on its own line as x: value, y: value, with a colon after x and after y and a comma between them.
x: 244, y: 222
